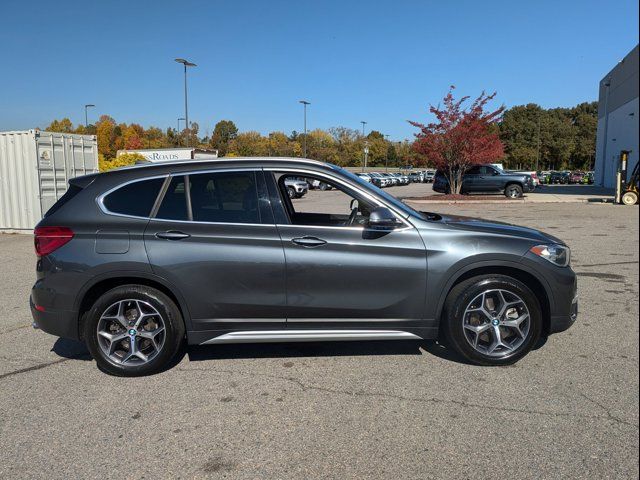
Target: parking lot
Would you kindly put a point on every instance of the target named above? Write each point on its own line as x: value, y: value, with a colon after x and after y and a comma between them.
x: 342, y: 410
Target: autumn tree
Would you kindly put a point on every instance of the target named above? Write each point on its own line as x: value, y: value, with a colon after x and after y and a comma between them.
x: 248, y: 144
x: 106, y: 132
x: 460, y: 137
x: 62, y: 126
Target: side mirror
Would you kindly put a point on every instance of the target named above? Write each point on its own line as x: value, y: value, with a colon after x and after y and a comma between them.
x: 382, y: 218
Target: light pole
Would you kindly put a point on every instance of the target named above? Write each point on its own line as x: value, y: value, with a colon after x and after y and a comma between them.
x: 304, y: 142
x: 86, y: 117
x: 386, y: 156
x: 538, y: 155
x: 178, y: 130
x: 607, y: 85
x: 186, y: 64
x: 365, y: 150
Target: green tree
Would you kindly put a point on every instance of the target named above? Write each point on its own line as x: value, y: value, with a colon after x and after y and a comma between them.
x: 223, y: 133
x: 560, y: 137
x: 585, y: 121
x: 520, y: 134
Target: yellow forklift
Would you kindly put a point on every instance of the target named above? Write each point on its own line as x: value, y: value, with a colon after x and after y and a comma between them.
x: 631, y: 188
x: 627, y: 190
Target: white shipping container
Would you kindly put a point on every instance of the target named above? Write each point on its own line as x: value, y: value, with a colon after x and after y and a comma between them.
x: 35, y: 168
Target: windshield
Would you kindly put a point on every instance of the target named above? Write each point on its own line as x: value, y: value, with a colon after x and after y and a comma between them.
x: 406, y: 209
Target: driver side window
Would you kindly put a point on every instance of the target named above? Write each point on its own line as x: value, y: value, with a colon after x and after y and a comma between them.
x: 318, y: 202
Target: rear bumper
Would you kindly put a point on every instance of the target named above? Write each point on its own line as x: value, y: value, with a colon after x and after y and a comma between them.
x: 61, y: 323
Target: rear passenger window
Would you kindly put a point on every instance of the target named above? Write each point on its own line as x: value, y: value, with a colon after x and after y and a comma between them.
x: 174, y: 203
x: 229, y: 197
x: 134, y: 199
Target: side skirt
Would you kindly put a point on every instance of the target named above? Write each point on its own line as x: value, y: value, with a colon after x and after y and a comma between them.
x: 267, y: 336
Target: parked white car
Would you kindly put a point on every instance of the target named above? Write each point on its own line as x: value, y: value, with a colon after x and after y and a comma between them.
x: 429, y: 175
x: 532, y: 174
x: 365, y: 176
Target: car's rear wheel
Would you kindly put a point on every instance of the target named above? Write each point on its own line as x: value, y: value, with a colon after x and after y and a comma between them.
x: 492, y: 320
x: 630, y: 198
x: 133, y: 330
x: 513, y: 191
x: 291, y: 192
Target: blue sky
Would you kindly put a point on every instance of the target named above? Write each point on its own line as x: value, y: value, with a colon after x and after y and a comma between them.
x: 382, y: 61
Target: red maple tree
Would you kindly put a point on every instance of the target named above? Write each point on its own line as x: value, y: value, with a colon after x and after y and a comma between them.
x: 460, y: 137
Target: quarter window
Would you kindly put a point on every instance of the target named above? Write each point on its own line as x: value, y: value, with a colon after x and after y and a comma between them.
x: 135, y: 199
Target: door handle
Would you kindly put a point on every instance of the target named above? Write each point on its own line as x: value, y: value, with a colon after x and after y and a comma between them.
x: 309, y: 242
x: 172, y: 235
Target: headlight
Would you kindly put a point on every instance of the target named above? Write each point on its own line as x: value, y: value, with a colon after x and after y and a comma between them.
x: 556, y: 254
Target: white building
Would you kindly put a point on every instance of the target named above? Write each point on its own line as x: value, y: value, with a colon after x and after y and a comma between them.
x: 617, y: 119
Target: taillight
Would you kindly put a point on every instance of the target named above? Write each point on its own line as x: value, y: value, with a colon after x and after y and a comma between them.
x: 49, y: 239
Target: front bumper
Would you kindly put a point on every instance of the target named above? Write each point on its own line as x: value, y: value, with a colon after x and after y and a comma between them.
x: 560, y: 323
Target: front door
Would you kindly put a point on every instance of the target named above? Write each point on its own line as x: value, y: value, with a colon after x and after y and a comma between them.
x: 341, y: 274
x: 490, y: 179
x: 213, y: 237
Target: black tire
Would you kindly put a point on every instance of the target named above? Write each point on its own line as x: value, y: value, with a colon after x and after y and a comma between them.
x: 452, y: 330
x: 291, y: 192
x: 513, y: 191
x: 323, y: 186
x: 173, y: 326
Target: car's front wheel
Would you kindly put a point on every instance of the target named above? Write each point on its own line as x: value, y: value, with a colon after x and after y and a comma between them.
x: 513, y: 191
x: 492, y: 320
x: 133, y: 330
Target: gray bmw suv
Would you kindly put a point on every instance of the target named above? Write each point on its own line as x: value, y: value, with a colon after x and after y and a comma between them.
x: 139, y: 260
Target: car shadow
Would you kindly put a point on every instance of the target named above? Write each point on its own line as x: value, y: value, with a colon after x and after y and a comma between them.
x: 321, y: 349
x: 72, y: 349
x: 77, y: 350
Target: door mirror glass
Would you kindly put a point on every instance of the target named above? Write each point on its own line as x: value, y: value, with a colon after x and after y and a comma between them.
x: 383, y: 218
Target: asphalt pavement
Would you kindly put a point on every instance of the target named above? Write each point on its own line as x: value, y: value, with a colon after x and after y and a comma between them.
x: 371, y: 410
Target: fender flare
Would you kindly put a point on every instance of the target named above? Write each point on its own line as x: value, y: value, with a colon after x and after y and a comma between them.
x: 477, y: 265
x: 116, y: 274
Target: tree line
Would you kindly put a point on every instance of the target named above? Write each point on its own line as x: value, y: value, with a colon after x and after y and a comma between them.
x: 557, y: 138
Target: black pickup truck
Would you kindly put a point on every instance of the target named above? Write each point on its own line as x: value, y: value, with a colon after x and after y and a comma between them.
x: 488, y: 179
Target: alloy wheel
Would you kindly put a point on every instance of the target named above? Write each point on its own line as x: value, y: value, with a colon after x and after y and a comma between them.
x: 496, y: 323
x: 513, y: 193
x: 131, y: 332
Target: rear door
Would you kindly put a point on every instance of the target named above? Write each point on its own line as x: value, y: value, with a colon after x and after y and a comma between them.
x: 471, y: 180
x: 213, y: 236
